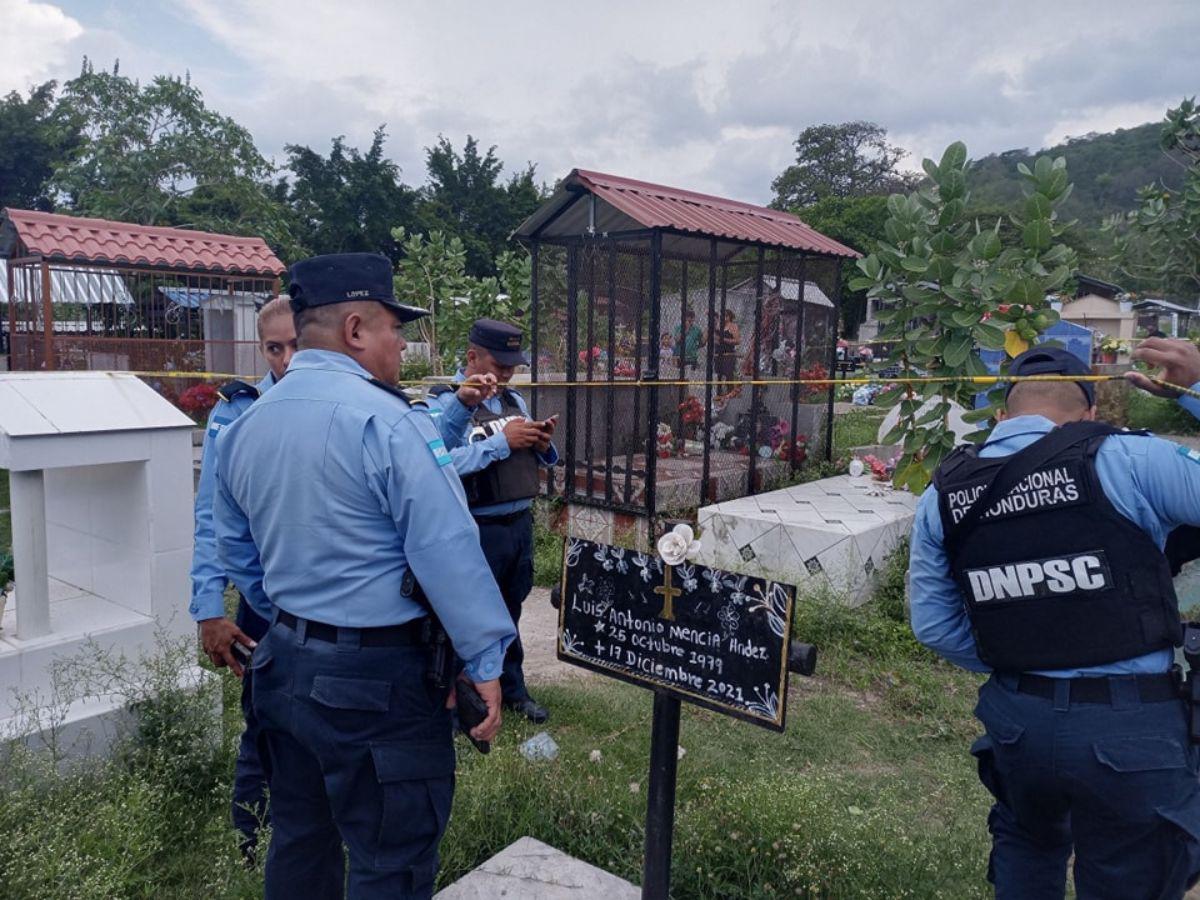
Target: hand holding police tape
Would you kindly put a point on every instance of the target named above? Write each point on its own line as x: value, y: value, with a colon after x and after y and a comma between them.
x: 1178, y: 362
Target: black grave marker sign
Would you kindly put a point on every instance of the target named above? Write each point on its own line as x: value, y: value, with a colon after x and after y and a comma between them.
x: 713, y: 638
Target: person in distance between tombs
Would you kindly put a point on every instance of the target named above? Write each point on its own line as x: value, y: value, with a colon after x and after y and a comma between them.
x: 276, y: 343
x: 497, y: 457
x: 1038, y: 557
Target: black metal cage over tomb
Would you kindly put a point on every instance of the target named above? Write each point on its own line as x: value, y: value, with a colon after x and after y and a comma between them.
x: 657, y: 314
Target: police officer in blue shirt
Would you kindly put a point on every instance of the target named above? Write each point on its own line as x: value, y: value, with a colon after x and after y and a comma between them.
x: 337, y: 507
x: 1038, y: 558
x: 497, y: 457
x: 276, y: 343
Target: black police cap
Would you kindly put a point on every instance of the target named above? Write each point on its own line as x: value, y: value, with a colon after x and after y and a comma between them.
x: 346, y: 277
x: 501, y: 340
x: 1046, y: 360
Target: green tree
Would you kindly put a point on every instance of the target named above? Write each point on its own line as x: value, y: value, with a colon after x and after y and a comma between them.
x: 35, y: 136
x: 350, y: 201
x: 466, y: 197
x: 432, y: 275
x: 948, y: 286
x: 157, y: 155
x: 857, y: 222
x: 1158, y: 244
x: 852, y: 159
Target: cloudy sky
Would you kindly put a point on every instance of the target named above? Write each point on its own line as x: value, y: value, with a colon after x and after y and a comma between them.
x: 699, y: 94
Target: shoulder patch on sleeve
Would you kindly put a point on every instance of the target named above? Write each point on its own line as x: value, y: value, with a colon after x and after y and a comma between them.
x: 1193, y: 455
x: 440, y: 453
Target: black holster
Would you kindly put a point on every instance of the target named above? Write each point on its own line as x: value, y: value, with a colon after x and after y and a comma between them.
x: 440, y: 662
x: 1191, y: 682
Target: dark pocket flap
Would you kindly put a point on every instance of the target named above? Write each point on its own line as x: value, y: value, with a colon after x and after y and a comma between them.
x: 413, y: 761
x: 1000, y: 728
x: 351, y: 693
x: 1185, y: 816
x: 1141, y: 754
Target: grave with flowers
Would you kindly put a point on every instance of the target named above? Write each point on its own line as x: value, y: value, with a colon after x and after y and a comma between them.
x: 678, y: 352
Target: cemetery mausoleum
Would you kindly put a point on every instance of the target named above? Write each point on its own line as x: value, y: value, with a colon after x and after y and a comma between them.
x: 659, y: 319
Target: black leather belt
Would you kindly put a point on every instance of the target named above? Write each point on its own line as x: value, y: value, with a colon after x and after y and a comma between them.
x: 1151, y: 688
x: 503, y: 520
x: 386, y: 636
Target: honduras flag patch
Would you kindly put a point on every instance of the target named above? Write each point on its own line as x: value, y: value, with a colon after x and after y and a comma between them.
x: 440, y: 453
x: 1193, y: 455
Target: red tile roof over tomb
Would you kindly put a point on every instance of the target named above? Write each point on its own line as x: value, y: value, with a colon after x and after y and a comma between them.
x: 103, y: 242
x: 658, y: 206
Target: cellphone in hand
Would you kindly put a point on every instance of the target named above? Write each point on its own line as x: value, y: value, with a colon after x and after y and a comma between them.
x: 243, y: 653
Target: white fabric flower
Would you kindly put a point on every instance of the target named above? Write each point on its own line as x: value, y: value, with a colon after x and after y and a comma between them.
x: 678, y: 544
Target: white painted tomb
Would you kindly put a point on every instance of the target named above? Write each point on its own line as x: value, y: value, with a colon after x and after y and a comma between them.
x: 837, y: 531
x: 101, y: 486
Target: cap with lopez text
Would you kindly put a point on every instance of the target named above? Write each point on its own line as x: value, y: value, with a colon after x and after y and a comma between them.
x: 501, y: 340
x: 1046, y: 360
x: 344, y: 278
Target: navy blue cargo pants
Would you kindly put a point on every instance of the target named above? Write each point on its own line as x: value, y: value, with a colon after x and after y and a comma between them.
x: 508, y: 545
x: 1116, y: 782
x: 252, y: 771
x: 361, y: 755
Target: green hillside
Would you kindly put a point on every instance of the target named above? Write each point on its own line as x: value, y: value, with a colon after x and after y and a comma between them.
x: 1107, y: 170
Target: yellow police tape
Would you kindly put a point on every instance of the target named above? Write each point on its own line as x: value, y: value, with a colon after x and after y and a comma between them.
x: 981, y: 380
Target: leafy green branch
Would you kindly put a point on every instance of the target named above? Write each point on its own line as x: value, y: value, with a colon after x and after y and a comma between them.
x: 947, y: 287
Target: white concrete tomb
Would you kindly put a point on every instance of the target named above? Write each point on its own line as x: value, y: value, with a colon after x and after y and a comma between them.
x: 838, y: 531
x: 100, y: 471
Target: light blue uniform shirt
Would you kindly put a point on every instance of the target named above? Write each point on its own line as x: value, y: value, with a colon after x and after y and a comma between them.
x: 1152, y: 482
x: 329, y: 489
x: 471, y: 456
x: 208, y: 578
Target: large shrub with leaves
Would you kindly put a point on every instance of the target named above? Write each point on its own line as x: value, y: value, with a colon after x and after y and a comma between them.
x: 947, y: 286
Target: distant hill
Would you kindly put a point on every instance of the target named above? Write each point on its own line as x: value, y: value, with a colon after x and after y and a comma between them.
x: 1107, y: 170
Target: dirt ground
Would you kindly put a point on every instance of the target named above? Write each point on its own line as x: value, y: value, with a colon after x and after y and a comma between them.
x: 539, y: 627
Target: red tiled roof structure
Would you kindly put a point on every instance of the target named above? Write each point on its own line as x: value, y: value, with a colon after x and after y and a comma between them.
x: 657, y: 206
x: 103, y: 242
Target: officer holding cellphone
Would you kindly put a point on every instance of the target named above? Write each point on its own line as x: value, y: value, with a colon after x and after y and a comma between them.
x: 498, y: 457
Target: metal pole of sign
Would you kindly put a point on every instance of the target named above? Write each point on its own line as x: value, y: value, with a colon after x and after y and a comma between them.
x: 660, y: 806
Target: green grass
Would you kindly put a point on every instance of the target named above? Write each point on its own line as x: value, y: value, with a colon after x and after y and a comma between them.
x: 856, y: 428
x: 1160, y: 415
x: 869, y: 792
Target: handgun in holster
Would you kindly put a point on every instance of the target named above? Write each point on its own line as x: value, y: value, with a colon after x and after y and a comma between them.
x: 440, y: 661
x: 1191, y: 682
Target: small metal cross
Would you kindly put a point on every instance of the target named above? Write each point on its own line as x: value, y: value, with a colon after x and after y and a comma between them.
x: 668, y: 593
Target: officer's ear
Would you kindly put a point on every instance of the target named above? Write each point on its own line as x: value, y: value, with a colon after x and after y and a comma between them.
x: 1090, y: 415
x: 353, y: 330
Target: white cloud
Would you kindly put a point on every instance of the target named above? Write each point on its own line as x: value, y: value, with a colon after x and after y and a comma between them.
x: 34, y: 39
x: 690, y: 92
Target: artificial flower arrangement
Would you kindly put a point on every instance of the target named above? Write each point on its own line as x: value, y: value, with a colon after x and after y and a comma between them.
x: 692, y: 410
x: 624, y: 369
x: 198, y: 400
x: 596, y: 353
x: 665, y: 440
x: 815, y: 372
x: 880, y: 470
x: 1114, y: 345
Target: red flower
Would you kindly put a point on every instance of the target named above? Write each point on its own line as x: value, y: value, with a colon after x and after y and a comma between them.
x: 198, y: 400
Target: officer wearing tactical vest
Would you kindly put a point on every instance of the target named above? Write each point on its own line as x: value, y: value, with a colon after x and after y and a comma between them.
x: 497, y: 456
x: 337, y: 508
x: 276, y: 343
x: 1038, y: 558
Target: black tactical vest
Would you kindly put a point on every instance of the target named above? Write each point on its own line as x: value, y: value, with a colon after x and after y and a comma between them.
x: 1053, y: 576
x: 512, y: 478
